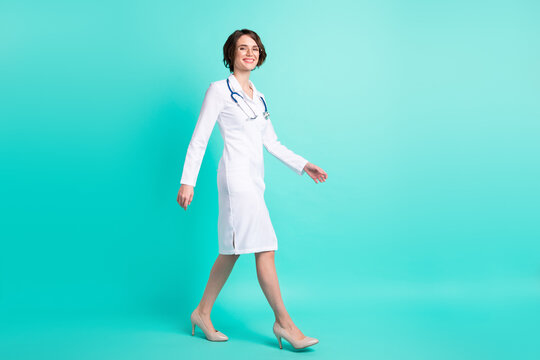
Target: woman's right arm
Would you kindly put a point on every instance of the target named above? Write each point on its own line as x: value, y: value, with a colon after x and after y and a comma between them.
x: 210, y: 109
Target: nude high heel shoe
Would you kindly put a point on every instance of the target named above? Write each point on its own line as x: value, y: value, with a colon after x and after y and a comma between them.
x: 212, y: 336
x: 297, y: 344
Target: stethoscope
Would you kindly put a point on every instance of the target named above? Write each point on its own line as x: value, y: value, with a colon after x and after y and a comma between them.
x: 266, y: 114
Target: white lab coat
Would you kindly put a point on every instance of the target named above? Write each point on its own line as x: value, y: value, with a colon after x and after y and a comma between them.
x: 244, y: 224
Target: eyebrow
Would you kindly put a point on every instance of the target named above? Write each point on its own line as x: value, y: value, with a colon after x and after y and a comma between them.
x: 248, y: 45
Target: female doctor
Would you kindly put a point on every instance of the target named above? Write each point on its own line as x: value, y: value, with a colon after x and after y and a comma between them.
x: 244, y: 224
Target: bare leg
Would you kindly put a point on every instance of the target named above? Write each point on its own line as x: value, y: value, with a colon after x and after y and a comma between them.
x: 266, y: 273
x: 218, y: 275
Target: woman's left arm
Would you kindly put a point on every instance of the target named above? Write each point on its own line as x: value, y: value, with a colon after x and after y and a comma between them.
x: 294, y: 161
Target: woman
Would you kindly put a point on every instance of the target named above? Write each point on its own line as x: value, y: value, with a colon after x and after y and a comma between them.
x: 244, y: 224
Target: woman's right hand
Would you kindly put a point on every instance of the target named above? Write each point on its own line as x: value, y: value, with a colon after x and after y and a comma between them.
x: 185, y: 195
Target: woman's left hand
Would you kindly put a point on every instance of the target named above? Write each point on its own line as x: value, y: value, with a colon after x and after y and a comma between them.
x: 315, y: 172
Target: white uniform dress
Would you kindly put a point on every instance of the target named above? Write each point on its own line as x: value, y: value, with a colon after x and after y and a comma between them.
x: 244, y: 224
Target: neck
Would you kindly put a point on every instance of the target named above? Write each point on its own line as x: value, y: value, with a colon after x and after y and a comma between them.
x: 242, y: 77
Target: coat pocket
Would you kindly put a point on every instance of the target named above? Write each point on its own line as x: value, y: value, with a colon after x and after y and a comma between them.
x: 260, y: 123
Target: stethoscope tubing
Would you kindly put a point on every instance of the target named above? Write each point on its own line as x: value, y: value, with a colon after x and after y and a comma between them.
x: 236, y: 101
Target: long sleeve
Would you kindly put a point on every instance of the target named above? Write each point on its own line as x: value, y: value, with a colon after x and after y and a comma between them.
x: 211, y: 107
x: 289, y: 158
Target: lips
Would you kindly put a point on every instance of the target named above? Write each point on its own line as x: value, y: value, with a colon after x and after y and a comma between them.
x: 249, y: 60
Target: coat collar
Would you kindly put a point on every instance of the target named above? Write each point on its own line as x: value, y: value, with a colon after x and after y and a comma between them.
x: 235, y: 86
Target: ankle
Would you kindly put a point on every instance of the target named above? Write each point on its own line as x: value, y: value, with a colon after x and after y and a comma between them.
x: 203, y: 312
x: 285, y: 323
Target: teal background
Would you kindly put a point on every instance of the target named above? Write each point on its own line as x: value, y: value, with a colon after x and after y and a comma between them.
x: 422, y: 244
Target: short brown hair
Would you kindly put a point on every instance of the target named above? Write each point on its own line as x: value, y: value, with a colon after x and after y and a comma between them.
x: 229, y: 49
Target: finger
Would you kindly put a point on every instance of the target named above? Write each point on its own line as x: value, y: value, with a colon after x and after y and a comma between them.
x: 181, y: 202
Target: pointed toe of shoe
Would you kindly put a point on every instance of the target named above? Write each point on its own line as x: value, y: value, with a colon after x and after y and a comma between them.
x: 307, y: 341
x: 221, y: 336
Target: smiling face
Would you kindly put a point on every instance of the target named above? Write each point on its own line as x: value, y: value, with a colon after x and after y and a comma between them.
x: 246, y: 54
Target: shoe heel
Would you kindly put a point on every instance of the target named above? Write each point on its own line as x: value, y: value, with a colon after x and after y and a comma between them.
x: 279, y: 341
x: 192, y: 328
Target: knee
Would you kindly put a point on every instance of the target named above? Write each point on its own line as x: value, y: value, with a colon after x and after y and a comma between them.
x: 264, y: 255
x: 232, y: 257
